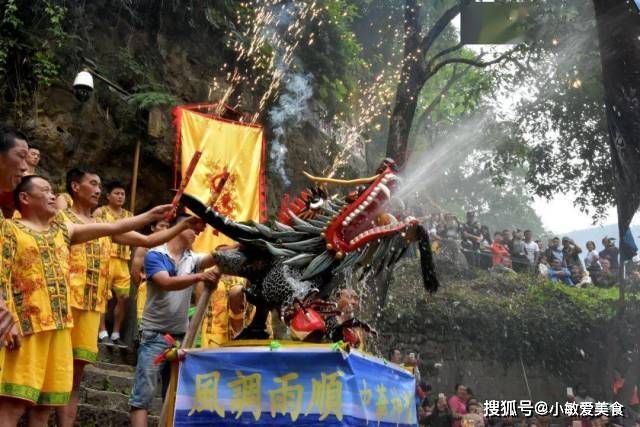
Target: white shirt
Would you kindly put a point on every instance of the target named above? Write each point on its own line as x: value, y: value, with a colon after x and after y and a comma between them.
x: 591, y: 258
x: 530, y: 250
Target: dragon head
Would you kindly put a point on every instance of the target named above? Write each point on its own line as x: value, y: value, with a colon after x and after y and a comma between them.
x: 368, y: 214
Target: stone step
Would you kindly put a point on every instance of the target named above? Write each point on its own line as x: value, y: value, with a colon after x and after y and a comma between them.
x: 91, y: 415
x: 114, y: 367
x: 116, y: 355
x: 114, y: 401
x: 119, y: 381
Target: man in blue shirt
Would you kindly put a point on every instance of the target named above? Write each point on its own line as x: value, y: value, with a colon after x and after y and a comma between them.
x: 171, y: 269
x: 558, y: 273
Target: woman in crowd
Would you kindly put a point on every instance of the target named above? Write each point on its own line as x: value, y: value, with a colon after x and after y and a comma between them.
x: 441, y: 415
x: 592, y: 259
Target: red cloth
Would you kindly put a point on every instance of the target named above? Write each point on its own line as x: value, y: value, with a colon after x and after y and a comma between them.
x: 499, y: 253
x: 635, y: 400
x: 618, y: 383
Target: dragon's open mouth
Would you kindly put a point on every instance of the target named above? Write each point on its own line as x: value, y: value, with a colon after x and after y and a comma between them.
x: 365, y: 219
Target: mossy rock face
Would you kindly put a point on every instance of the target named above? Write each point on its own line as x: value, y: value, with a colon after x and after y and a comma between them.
x: 503, y: 318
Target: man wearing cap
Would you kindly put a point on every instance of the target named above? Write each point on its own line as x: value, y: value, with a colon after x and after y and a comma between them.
x: 610, y: 252
x: 571, y: 254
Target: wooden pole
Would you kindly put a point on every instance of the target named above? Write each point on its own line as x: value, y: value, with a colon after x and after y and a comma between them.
x: 134, y: 176
x: 189, y: 339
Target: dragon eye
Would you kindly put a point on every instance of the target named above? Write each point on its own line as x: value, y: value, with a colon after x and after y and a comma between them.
x: 316, y: 203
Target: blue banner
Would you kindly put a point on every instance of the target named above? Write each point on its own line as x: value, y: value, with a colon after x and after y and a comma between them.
x: 298, y: 385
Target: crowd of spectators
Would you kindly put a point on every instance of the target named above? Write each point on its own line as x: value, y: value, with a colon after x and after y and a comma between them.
x: 463, y: 409
x: 518, y: 251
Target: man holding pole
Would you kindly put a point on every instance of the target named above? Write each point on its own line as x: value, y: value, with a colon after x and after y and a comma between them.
x: 171, y: 269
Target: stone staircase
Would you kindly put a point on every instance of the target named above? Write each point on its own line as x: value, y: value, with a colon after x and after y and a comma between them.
x: 105, y: 389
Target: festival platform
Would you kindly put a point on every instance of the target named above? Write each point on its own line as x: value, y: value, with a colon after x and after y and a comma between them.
x: 293, y: 385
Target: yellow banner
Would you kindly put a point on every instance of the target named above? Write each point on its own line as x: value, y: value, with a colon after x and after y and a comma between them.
x: 231, y: 147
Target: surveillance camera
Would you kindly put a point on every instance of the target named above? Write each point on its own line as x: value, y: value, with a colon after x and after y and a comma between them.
x: 83, y: 86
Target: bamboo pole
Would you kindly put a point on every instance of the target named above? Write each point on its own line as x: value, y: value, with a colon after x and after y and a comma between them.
x: 134, y: 177
x: 189, y: 339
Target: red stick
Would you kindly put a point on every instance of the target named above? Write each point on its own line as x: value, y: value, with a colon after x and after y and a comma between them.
x: 185, y: 180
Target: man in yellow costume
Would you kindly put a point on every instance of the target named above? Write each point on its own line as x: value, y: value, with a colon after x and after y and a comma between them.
x: 89, y: 274
x: 119, y: 274
x: 13, y: 165
x: 38, y: 370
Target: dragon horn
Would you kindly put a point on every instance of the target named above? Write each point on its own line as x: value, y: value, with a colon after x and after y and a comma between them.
x: 345, y: 182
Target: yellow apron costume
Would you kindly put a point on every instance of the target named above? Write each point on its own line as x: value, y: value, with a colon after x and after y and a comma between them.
x: 119, y: 274
x: 4, y: 292
x: 35, y: 271
x: 215, y: 327
x: 89, y: 287
x: 141, y: 299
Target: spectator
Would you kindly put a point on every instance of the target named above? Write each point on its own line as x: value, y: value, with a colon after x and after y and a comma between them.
x: 592, y: 259
x: 518, y: 246
x: 580, y: 277
x: 571, y: 254
x: 531, y: 248
x: 458, y: 404
x: 423, y: 391
x: 486, y: 237
x: 474, y: 416
x: 395, y: 356
x: 411, y: 365
x: 33, y: 158
x: 518, y: 253
x: 452, y: 227
x: 441, y: 415
x: 610, y: 252
x: 471, y: 233
x: 507, y: 239
x: 606, y: 277
x: 554, y: 251
x: 423, y: 415
x: 500, y: 262
x: 435, y: 231
x: 558, y: 273
x: 543, y: 266
x: 540, y: 244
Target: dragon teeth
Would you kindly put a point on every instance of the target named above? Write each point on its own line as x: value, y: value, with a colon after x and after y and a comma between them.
x: 385, y: 190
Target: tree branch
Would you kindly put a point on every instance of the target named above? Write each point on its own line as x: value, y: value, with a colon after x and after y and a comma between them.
x: 472, y: 62
x: 437, y: 29
x: 455, y: 76
x: 443, y: 53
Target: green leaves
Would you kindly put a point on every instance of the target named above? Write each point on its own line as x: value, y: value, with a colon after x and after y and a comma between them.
x: 30, y: 36
x: 147, y: 100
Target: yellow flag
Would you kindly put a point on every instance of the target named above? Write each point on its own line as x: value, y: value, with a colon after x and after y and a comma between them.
x: 226, y: 146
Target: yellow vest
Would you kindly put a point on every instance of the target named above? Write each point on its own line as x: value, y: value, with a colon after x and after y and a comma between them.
x: 36, y: 270
x: 88, y: 270
x: 107, y: 215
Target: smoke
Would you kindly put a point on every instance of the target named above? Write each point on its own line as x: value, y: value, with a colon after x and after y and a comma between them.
x: 292, y: 108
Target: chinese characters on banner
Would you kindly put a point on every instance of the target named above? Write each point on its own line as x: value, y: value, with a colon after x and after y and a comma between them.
x: 292, y: 386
